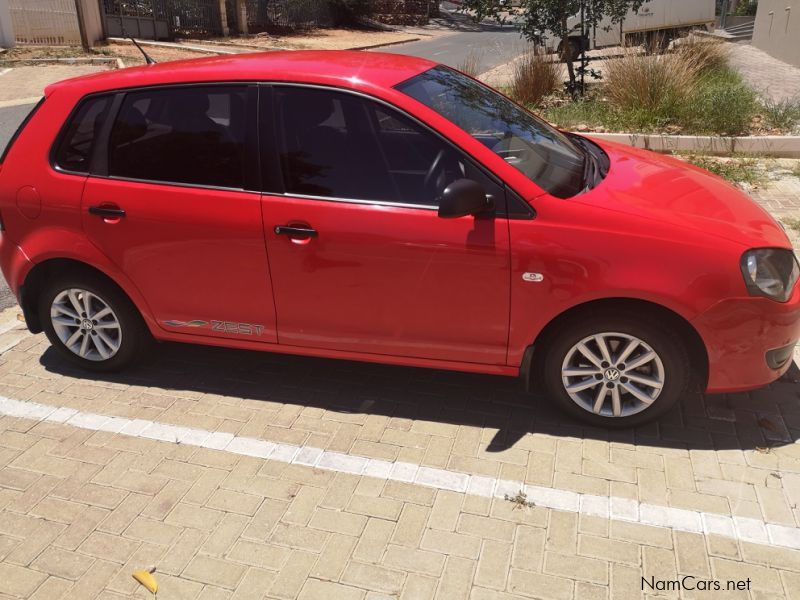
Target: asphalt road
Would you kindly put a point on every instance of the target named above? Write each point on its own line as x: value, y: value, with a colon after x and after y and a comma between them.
x: 490, y: 45
x: 10, y: 118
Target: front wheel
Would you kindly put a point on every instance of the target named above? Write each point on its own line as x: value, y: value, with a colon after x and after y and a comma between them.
x: 92, y: 323
x: 614, y: 371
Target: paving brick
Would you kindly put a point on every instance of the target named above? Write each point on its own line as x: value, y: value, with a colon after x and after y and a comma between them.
x: 212, y: 571
x: 577, y: 567
x: 334, y: 557
x: 411, y: 525
x: 62, y: 563
x: 314, y: 589
x: 416, y: 561
x: 608, y: 549
x: 485, y: 527
x: 372, y: 577
x: 374, y: 541
x: 338, y: 522
x: 259, y: 555
x: 382, y: 508
x: 456, y: 579
x: 20, y: 581
x: 538, y: 585
x: 108, y: 547
x: 493, y: 565
x: 449, y: 543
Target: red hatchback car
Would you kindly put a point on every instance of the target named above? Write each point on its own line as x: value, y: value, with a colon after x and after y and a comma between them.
x: 385, y: 208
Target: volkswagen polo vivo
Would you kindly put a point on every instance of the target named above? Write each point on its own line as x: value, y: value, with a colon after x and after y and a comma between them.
x: 386, y: 208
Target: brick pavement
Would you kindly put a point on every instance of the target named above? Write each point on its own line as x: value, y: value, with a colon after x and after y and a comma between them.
x: 26, y: 84
x: 81, y: 508
x: 773, y: 78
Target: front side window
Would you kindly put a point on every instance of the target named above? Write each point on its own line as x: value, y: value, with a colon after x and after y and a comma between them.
x: 337, y: 145
x: 75, y: 148
x: 192, y: 135
x: 542, y: 153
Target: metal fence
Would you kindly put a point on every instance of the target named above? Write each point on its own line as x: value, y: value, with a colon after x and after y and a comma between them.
x: 45, y: 22
x: 265, y: 15
x: 157, y: 19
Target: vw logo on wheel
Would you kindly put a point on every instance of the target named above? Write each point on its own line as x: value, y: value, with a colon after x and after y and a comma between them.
x: 612, y: 374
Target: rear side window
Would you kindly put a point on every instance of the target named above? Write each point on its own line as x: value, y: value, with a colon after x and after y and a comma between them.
x: 74, y: 152
x: 193, y: 135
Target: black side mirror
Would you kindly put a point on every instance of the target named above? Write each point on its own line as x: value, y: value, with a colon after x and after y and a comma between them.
x: 464, y: 197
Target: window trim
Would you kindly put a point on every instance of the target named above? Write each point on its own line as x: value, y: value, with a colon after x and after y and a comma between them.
x: 271, y: 138
x: 98, y: 167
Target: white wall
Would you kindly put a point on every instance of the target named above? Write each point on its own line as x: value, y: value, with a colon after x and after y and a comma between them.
x: 6, y: 30
x: 777, y: 29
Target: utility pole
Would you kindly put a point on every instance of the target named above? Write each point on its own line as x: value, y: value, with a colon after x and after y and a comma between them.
x: 82, y: 25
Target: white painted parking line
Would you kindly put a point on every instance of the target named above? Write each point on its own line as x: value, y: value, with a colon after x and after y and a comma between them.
x: 616, y: 509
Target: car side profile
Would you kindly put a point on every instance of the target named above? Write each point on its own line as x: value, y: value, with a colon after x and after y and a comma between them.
x: 385, y: 208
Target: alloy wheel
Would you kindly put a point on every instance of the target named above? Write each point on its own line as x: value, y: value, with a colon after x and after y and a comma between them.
x: 613, y: 374
x: 86, y: 324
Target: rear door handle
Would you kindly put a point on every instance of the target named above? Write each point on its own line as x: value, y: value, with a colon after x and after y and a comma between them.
x: 295, y: 231
x: 107, y: 211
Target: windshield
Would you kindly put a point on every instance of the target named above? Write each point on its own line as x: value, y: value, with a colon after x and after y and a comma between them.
x: 545, y: 155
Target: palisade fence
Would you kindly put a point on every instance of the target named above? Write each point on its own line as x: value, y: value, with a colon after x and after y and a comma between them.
x: 161, y: 18
x: 45, y: 22
x: 263, y: 15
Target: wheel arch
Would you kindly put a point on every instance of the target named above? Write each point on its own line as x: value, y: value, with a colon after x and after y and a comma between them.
x: 38, y: 275
x: 530, y: 369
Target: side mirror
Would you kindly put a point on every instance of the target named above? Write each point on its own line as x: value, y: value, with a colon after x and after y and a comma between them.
x: 464, y: 197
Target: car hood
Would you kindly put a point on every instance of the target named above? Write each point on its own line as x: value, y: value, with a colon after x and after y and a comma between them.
x: 654, y: 186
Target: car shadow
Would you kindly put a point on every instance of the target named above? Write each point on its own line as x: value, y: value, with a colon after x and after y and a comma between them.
x: 762, y: 420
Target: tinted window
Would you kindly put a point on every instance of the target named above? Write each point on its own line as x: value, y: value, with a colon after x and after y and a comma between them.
x: 75, y: 150
x: 338, y: 145
x: 183, y: 135
x: 541, y: 152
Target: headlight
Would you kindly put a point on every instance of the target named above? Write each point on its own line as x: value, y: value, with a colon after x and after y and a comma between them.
x: 770, y: 272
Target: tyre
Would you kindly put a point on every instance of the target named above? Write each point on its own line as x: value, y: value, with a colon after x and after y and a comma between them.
x: 610, y: 370
x: 92, y: 323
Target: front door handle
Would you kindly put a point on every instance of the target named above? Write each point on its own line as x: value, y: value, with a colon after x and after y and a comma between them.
x: 295, y: 231
x: 108, y: 212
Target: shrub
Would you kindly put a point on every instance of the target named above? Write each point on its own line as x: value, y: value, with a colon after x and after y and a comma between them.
x: 705, y: 54
x: 535, y: 76
x: 471, y: 64
x: 657, y: 86
x: 723, y: 104
x: 781, y: 114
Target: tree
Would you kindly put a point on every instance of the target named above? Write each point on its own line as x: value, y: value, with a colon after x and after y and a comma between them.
x: 535, y: 17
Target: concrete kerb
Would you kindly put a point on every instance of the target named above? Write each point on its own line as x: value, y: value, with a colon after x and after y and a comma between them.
x: 777, y: 146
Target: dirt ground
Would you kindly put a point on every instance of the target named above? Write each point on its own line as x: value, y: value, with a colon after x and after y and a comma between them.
x: 321, y: 39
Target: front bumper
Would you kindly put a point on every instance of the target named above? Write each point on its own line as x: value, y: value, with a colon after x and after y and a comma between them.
x: 748, y: 340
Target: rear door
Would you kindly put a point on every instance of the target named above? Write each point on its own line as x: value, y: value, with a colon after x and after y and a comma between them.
x: 174, y: 205
x: 360, y: 259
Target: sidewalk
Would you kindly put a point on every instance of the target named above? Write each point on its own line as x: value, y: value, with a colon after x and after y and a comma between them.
x: 773, y: 78
x: 25, y: 85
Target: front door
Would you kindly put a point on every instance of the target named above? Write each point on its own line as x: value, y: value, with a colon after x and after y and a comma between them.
x: 360, y: 259
x: 174, y: 215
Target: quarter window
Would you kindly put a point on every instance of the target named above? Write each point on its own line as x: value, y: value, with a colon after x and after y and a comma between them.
x: 337, y: 145
x: 192, y: 135
x: 75, y: 150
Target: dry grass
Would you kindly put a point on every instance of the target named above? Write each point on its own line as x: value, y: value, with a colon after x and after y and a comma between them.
x: 704, y: 54
x: 471, y: 65
x: 650, y: 83
x: 535, y: 76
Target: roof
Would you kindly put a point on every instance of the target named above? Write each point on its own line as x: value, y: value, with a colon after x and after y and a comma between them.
x: 343, y: 68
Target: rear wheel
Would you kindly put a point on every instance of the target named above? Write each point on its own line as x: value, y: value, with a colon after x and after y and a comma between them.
x: 616, y: 371
x: 92, y: 323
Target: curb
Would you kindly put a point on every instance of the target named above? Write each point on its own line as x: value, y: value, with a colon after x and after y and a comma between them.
x: 385, y: 44
x: 189, y: 47
x: 778, y: 146
x: 100, y: 60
